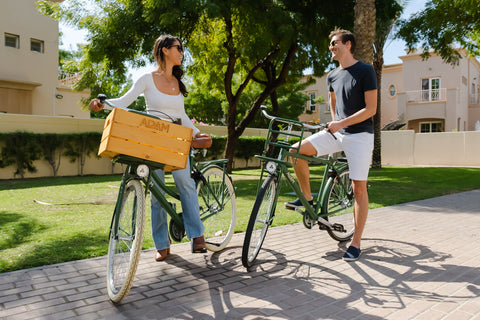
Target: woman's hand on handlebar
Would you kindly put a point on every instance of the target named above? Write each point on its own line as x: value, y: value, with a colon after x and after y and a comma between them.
x: 95, y: 105
x: 201, y: 141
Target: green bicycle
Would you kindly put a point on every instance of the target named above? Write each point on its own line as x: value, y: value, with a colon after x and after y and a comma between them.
x: 333, y: 203
x: 218, y: 212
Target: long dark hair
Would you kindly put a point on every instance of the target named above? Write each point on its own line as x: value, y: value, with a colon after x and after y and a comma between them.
x: 166, y: 41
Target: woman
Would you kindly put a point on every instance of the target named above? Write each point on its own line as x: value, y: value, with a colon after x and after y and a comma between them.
x: 164, y: 91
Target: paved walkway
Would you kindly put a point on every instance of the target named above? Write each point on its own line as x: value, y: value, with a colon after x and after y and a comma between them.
x: 421, y: 261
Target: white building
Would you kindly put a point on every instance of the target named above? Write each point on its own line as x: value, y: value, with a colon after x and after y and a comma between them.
x: 427, y: 95
x: 29, y: 81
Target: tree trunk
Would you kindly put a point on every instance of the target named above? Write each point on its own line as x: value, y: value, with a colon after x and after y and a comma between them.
x: 234, y: 130
x: 364, y: 26
x: 377, y: 146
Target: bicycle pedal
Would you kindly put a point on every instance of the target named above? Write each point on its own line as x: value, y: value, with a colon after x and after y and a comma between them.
x: 338, y: 227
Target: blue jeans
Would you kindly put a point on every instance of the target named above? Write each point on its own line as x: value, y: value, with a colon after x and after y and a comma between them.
x: 189, y: 200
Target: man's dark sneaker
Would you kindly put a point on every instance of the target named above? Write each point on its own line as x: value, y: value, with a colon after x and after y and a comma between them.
x: 352, y: 254
x: 296, y: 204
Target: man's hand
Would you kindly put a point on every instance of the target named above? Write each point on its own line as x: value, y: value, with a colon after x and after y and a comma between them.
x: 334, y: 126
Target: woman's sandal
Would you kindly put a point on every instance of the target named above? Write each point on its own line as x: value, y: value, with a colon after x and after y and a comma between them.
x: 198, y: 245
x: 162, y: 254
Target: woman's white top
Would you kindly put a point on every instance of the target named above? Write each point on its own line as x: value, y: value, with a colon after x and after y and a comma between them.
x: 172, y: 105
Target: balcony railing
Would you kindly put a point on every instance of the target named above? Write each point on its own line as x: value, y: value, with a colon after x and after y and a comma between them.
x: 474, y: 99
x: 427, y: 95
x: 68, y: 80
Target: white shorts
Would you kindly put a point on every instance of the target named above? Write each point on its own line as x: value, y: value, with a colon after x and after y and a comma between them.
x: 358, y: 148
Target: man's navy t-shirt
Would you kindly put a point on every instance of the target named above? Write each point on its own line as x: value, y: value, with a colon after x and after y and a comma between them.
x: 349, y: 85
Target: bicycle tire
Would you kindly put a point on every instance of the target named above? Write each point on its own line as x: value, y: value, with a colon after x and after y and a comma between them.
x: 219, y: 219
x: 124, y: 250
x: 260, y: 219
x: 339, y: 205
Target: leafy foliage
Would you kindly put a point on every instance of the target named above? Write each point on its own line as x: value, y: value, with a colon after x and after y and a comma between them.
x: 80, y: 145
x: 240, y: 57
x: 24, y: 148
x: 52, y: 146
x: 21, y: 149
x: 443, y: 25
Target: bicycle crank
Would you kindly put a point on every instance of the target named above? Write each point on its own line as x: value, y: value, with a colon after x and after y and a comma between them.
x: 324, y: 224
x: 307, y: 221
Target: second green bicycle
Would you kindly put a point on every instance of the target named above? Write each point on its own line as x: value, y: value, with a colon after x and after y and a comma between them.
x: 333, y: 205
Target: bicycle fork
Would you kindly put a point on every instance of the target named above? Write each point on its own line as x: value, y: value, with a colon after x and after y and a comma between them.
x: 118, y: 209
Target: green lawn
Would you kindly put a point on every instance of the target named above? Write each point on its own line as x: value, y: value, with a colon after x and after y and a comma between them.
x: 75, y: 224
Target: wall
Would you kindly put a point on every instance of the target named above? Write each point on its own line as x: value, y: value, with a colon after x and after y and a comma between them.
x: 93, y: 165
x: 391, y: 76
x: 399, y: 148
x: 459, y: 149
x: 322, y: 110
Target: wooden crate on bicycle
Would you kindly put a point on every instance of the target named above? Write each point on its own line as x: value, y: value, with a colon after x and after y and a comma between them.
x: 136, y: 135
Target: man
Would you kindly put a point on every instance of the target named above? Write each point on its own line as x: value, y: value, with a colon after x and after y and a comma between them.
x: 353, y: 103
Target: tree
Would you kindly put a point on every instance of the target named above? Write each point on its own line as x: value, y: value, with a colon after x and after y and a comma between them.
x: 441, y: 27
x: 373, y: 23
x: 387, y: 13
x: 231, y: 45
x: 364, y: 28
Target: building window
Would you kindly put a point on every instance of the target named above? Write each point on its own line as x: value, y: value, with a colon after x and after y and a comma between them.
x: 431, y: 89
x: 12, y: 41
x: 310, y: 105
x: 426, y: 127
x: 392, y: 91
x: 36, y: 45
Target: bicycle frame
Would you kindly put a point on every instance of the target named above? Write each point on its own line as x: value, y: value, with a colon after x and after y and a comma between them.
x: 159, y: 186
x: 334, y: 198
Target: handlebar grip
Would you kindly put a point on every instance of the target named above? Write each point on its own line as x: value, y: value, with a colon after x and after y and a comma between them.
x: 102, y: 97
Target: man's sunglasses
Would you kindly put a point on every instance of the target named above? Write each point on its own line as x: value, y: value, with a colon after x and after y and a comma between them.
x: 334, y: 42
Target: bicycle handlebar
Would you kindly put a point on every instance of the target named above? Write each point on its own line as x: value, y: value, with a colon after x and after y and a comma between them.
x: 308, y: 126
x: 103, y: 99
x: 317, y: 127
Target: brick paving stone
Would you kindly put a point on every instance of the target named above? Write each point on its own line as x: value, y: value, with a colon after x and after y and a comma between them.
x: 419, y: 262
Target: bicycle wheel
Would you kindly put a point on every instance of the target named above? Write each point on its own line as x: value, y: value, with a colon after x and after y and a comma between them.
x: 260, y: 219
x: 126, y: 239
x: 218, y: 208
x: 339, y: 206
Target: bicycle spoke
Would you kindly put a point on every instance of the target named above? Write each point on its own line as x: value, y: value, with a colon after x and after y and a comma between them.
x: 217, y: 208
x: 339, y: 206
